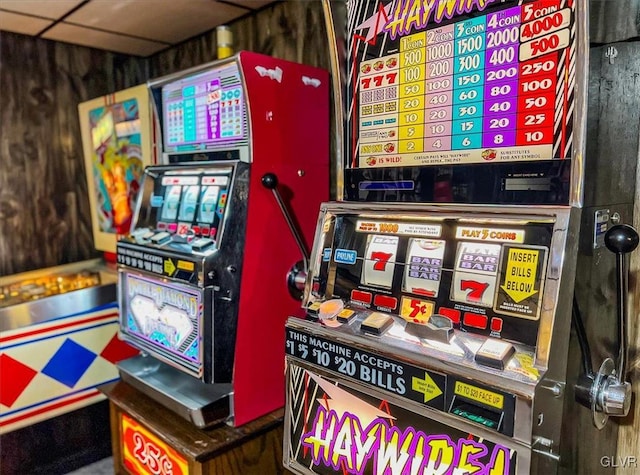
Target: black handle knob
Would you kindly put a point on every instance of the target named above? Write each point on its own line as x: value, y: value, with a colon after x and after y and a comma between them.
x: 621, y: 239
x: 270, y: 181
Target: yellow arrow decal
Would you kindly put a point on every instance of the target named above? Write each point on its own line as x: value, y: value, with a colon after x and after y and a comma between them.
x: 169, y: 267
x: 426, y: 386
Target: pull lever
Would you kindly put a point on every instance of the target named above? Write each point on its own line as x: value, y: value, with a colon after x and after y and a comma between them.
x: 607, y: 393
x: 297, y: 276
x: 622, y: 239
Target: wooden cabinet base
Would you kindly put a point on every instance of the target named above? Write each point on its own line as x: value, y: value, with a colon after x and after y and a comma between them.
x: 148, y: 438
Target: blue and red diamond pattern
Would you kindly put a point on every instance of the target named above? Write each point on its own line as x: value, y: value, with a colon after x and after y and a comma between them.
x: 69, y: 363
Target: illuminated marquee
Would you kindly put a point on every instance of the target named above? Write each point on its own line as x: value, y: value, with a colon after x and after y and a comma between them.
x: 344, y: 445
x: 167, y: 315
x: 417, y: 14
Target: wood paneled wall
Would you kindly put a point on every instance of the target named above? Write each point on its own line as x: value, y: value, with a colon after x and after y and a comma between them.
x: 44, y: 207
x: 611, y: 164
x: 294, y: 31
x: 617, y: 88
x: 613, y: 21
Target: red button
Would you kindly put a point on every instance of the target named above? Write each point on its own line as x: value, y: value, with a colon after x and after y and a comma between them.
x: 496, y: 325
x: 172, y: 227
x: 161, y: 226
x: 475, y: 320
x: 385, y: 301
x: 451, y: 314
x: 360, y: 296
x: 205, y: 231
x: 196, y: 229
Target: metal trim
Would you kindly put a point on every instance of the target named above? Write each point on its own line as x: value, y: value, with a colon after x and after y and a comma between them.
x: 576, y: 192
x: 338, y: 71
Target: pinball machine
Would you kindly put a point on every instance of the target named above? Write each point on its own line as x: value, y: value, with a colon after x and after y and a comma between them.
x: 59, y: 325
x: 439, y: 296
x: 203, y: 275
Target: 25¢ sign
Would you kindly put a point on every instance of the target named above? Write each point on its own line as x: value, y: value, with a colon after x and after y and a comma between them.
x: 144, y: 453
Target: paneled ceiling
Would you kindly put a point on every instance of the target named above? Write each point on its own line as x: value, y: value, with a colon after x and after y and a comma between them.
x: 134, y: 27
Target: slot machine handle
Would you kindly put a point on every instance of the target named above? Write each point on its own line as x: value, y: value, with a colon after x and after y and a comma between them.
x: 297, y: 277
x: 607, y: 393
x: 622, y: 239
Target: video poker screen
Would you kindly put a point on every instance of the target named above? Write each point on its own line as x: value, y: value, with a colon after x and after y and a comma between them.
x: 203, y: 110
x: 186, y: 202
x: 487, y: 277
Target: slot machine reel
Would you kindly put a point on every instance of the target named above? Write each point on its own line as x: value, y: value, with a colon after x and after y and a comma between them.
x: 297, y: 275
x: 607, y: 393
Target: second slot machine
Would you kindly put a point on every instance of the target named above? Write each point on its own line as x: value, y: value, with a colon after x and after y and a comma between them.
x: 203, y: 273
x: 443, y: 311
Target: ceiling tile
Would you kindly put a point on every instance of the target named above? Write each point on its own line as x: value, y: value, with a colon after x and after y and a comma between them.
x: 159, y: 20
x: 102, y: 40
x: 53, y: 9
x: 27, y: 25
x: 253, y: 4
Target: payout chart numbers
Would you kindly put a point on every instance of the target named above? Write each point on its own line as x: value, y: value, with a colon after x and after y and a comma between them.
x: 476, y: 90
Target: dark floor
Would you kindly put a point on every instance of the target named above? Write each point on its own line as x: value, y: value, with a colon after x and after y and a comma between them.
x: 101, y: 467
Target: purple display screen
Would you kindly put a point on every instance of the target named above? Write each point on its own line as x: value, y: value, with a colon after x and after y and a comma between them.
x: 203, y: 109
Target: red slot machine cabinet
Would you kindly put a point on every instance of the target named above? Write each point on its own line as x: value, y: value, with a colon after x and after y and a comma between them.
x: 440, y: 292
x: 203, y: 274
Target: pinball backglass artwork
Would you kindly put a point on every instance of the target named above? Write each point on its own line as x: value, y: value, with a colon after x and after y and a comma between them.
x: 117, y: 141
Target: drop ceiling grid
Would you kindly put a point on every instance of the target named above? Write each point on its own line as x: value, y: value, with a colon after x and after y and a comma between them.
x: 51, y: 9
x: 92, y: 38
x: 138, y: 27
x: 159, y: 20
x: 23, y: 24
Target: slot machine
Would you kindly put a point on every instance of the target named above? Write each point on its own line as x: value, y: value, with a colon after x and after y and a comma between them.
x: 439, y: 296
x: 203, y: 275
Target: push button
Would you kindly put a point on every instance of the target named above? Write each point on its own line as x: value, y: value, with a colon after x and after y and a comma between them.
x: 361, y: 296
x: 161, y: 238
x: 451, y: 314
x: 385, y: 301
x: 475, y: 320
x: 201, y: 244
x: 496, y: 324
x: 346, y: 315
x: 313, y: 308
